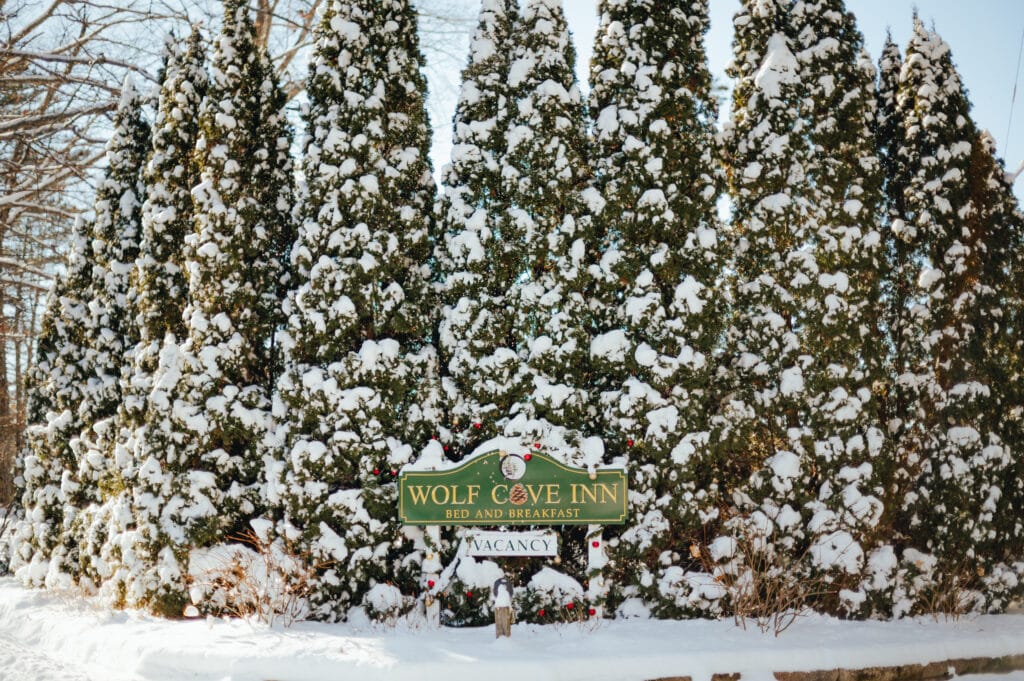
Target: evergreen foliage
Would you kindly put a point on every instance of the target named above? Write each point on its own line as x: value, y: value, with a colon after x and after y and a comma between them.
x: 159, y: 283
x: 657, y: 166
x: 110, y: 327
x: 845, y: 442
x: 44, y: 550
x: 955, y: 313
x: 155, y: 551
x: 360, y: 391
x: 478, y: 263
x: 825, y: 396
x: 40, y: 471
x: 768, y: 155
x: 213, y: 393
x: 548, y: 180
x: 549, y: 223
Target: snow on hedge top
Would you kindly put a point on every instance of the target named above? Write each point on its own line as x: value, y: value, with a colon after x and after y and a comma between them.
x: 588, y: 455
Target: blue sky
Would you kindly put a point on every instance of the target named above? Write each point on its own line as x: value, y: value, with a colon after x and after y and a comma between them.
x: 984, y: 35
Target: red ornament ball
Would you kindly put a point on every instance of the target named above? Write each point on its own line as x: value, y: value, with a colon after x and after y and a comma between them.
x: 536, y: 445
x: 430, y: 584
x: 376, y: 471
x: 629, y: 443
x: 469, y: 594
x: 446, y: 448
x: 478, y: 425
x: 394, y: 472
x: 541, y: 612
x: 527, y: 456
x: 592, y: 612
x: 595, y: 544
x: 570, y: 606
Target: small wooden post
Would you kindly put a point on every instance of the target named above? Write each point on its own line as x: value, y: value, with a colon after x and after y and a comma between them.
x: 431, y: 570
x: 502, y: 592
x: 597, y: 559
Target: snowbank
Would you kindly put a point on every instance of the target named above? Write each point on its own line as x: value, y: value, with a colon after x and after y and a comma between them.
x: 120, y: 646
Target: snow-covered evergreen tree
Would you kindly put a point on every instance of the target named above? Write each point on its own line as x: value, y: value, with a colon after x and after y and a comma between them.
x: 888, y: 121
x: 159, y: 284
x: 39, y: 472
x: 1005, y: 264
x: 768, y: 155
x: 954, y: 310
x: 43, y: 548
x: 845, y: 441
x: 548, y: 180
x: 110, y: 334
x: 215, y: 391
x: 549, y: 222
x: 479, y: 265
x: 160, y: 483
x: 657, y: 166
x: 359, y: 393
x: 111, y: 329
x: 1000, y: 221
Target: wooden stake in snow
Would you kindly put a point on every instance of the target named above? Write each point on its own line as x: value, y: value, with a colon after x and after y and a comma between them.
x: 502, y: 592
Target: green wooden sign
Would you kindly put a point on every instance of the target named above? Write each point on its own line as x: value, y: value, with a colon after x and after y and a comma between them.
x: 497, y: 488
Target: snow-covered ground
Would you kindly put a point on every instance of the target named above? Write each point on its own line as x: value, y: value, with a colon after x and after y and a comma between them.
x: 44, y: 637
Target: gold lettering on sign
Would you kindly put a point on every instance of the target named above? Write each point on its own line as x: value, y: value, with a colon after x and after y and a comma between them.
x: 581, y: 492
x: 437, y: 498
x: 613, y: 493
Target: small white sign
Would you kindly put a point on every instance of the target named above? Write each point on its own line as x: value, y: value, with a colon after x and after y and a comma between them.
x: 512, y: 544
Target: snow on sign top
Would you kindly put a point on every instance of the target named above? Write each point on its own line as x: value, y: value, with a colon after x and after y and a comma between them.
x: 500, y: 488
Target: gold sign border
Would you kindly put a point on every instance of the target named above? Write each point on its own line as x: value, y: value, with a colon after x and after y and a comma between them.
x: 490, y: 522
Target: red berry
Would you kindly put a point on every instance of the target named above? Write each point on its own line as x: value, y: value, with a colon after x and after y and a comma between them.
x: 433, y: 437
x: 569, y: 606
x: 446, y: 448
x: 629, y: 443
x: 592, y: 612
x: 394, y: 472
x: 478, y: 425
x: 541, y: 612
x: 527, y: 456
x: 536, y: 445
x: 430, y: 584
x: 469, y: 594
x: 376, y: 471
x: 595, y: 544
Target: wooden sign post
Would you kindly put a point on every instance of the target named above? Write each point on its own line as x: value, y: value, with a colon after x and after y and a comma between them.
x: 502, y: 592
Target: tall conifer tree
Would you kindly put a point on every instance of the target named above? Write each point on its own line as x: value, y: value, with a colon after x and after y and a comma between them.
x: 154, y: 554
x: 41, y: 467
x: 359, y: 394
x: 159, y: 284
x: 112, y: 331
x: 549, y: 222
x: 44, y: 548
x: 657, y: 166
x: 548, y: 181
x: 767, y: 158
x: 479, y: 264
x: 236, y: 267
x: 841, y: 321
x: 111, y: 334
x: 954, y: 311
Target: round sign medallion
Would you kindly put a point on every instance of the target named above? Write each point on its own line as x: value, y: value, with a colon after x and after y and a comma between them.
x: 513, y: 467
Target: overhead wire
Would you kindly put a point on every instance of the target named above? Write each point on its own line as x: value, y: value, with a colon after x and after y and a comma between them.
x: 1013, y: 98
